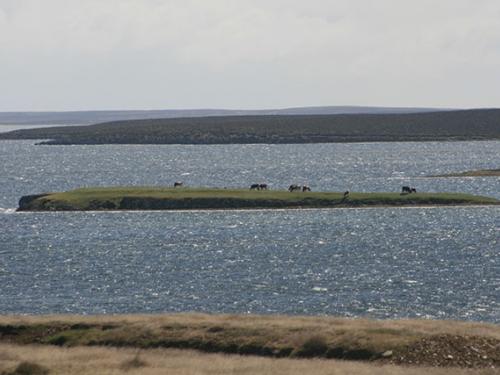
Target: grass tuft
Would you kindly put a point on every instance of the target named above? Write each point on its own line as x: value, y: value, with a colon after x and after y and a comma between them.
x: 134, y: 363
x: 314, y: 346
x: 28, y: 368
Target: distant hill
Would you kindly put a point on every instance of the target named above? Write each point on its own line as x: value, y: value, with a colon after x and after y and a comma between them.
x: 94, y: 117
x: 478, y: 124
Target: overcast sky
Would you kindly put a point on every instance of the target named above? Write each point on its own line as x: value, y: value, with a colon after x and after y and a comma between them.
x: 165, y: 54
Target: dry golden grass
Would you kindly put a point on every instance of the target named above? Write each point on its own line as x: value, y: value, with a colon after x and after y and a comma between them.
x: 270, y: 323
x: 113, y: 361
x: 278, y: 336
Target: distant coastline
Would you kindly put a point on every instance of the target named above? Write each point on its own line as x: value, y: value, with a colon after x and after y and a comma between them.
x: 474, y: 173
x: 94, y: 117
x: 464, y: 125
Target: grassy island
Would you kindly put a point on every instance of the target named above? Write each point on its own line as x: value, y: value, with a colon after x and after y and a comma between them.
x: 157, y: 198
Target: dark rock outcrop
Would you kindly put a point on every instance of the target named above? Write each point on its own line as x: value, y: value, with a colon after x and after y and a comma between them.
x: 101, y: 205
x: 143, y: 203
x: 26, y: 201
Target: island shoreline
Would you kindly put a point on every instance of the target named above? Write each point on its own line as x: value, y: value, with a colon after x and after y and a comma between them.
x: 295, y: 208
x: 188, y: 199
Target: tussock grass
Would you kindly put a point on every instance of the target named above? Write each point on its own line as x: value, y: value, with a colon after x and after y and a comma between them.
x: 134, y: 363
x: 27, y: 368
x: 314, y: 346
x: 272, y: 336
x: 109, y: 361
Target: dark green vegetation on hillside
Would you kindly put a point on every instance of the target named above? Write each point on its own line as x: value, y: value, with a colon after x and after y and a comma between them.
x: 94, y: 117
x: 410, y: 342
x: 150, y: 198
x: 434, y: 126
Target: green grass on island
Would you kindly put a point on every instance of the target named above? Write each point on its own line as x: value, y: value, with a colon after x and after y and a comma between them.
x: 157, y: 198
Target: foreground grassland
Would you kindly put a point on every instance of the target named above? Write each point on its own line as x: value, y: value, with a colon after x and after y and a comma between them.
x: 476, y: 173
x: 39, y: 360
x: 149, y: 198
x: 374, y: 346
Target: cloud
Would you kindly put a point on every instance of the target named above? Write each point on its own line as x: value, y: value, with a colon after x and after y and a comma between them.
x: 67, y: 54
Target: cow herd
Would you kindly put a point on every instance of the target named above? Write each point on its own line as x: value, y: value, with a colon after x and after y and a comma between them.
x: 304, y: 188
x: 258, y: 187
x: 291, y: 189
x: 408, y: 190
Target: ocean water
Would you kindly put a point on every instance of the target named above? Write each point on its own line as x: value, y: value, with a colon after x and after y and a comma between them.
x: 377, y: 262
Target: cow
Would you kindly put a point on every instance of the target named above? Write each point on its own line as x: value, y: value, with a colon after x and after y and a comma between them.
x: 178, y: 184
x: 263, y: 186
x: 294, y: 187
x: 405, y: 189
x: 305, y: 188
x: 255, y: 187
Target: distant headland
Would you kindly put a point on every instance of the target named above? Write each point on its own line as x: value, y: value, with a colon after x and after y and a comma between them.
x: 478, y: 124
x: 95, y: 117
x: 474, y: 173
x: 158, y: 198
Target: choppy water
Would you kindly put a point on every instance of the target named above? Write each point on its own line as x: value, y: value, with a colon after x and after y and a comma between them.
x: 384, y: 262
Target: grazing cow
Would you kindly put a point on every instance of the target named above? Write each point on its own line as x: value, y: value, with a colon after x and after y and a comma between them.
x: 293, y: 188
x: 255, y: 187
x: 178, y: 184
x: 305, y: 188
x: 405, y: 189
x: 346, y: 194
x: 413, y: 190
x: 263, y: 186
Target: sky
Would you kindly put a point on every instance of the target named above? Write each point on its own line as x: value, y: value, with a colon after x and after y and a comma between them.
x: 248, y: 54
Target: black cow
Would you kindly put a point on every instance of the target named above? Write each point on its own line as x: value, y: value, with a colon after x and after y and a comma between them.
x: 305, y: 188
x: 263, y: 186
x: 405, y: 189
x: 294, y: 187
x: 255, y: 187
x: 346, y: 194
x: 178, y: 184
